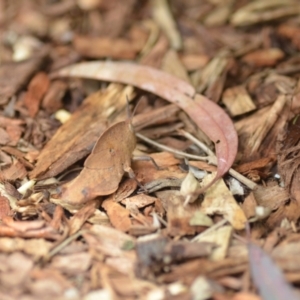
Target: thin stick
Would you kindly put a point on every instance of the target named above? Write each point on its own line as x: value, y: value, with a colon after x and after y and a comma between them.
x: 160, y: 219
x: 171, y: 150
x: 63, y: 244
x: 210, y: 229
x: 247, y: 182
x: 198, y: 143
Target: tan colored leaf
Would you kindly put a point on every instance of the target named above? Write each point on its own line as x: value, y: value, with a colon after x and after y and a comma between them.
x: 219, y: 200
x: 118, y: 215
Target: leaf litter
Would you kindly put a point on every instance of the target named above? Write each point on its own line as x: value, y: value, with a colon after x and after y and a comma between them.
x: 218, y: 90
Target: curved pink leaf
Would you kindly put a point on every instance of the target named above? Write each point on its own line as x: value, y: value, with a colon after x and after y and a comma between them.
x: 220, y: 129
x: 143, y: 77
x: 206, y: 114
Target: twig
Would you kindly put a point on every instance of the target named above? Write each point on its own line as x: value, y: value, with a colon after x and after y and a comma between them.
x: 63, y: 244
x: 210, y: 229
x: 211, y: 158
x: 247, y: 182
x: 200, y: 145
x: 171, y: 150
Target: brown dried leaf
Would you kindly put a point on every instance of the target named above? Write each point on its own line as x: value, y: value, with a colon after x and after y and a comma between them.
x: 139, y: 201
x: 157, y: 116
x: 105, y: 166
x: 173, y: 65
x: 126, y: 188
x: 145, y: 172
x: 271, y: 196
x: 82, y: 215
x: 118, y: 215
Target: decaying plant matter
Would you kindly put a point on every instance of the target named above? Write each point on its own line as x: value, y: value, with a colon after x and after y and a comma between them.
x: 217, y: 88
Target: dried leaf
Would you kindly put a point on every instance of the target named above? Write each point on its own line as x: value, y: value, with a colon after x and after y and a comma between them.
x: 219, y: 200
x: 126, y: 188
x: 82, y: 215
x: 118, y: 215
x: 201, y: 219
x: 221, y: 237
x: 105, y: 166
x: 139, y: 201
x: 188, y: 187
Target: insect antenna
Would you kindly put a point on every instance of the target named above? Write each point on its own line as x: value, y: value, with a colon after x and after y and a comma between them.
x: 131, y: 115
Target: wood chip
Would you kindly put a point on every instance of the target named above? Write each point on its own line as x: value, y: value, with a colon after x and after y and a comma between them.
x: 237, y: 101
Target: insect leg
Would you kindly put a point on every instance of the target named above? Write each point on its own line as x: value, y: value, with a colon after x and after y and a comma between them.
x: 147, y: 158
x: 132, y: 176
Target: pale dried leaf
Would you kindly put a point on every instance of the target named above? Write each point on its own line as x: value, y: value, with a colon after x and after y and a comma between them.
x: 219, y: 200
x: 221, y: 237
